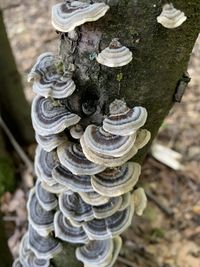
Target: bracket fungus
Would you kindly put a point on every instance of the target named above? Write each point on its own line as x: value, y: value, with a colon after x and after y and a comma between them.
x: 43, y: 63
x: 99, y: 141
x: 72, y: 157
x: 44, y: 164
x: 43, y: 247
x: 47, y: 118
x: 77, y: 210
x: 94, y: 197
x: 142, y: 138
x: 76, y: 183
x: 123, y: 120
x: 67, y: 232
x: 50, y: 142
x: 117, y: 181
x: 76, y: 131
x: 115, y: 55
x: 102, y: 253
x: 73, y: 207
x: 140, y: 201
x: 47, y: 200
x: 67, y: 16
x: 107, y: 161
x: 171, y: 17
x: 100, y: 229
x: 47, y: 81
x: 17, y: 263
x: 26, y: 256
x: 55, y: 188
x: 83, y: 193
x: 40, y: 219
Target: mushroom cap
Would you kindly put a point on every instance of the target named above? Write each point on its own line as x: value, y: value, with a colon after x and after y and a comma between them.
x: 115, y: 55
x: 102, y: 253
x: 47, y: 80
x: 33, y: 261
x: 77, y: 210
x: 43, y: 247
x: 47, y: 200
x: 107, y: 161
x: 54, y: 85
x: 102, y: 142
x: 17, y: 263
x: 140, y: 201
x: 27, y: 257
x: 76, y: 131
x: 73, y: 207
x: 171, y: 17
x: 67, y: 232
x: 47, y: 118
x: 43, y: 64
x: 117, y: 181
x: 125, y: 122
x: 100, y: 229
x: 126, y: 201
x: 77, y: 183
x: 72, y: 157
x: 143, y: 137
x: 54, y: 189
x: 50, y: 142
x: 40, y: 219
x: 44, y: 164
x: 24, y: 248
x: 94, y: 197
x: 67, y: 16
x: 107, y: 209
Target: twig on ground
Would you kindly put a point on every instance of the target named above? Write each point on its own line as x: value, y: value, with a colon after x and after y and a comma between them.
x: 161, y: 206
x: 17, y: 147
x: 125, y: 261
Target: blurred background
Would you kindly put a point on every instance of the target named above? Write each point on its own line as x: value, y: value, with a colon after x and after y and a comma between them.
x: 168, y: 234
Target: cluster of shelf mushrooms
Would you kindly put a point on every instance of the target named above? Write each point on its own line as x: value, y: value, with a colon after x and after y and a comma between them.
x: 85, y: 190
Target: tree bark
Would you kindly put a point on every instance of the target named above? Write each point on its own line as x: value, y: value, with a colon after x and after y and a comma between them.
x: 7, y: 179
x: 13, y: 106
x: 5, y: 254
x: 160, y: 58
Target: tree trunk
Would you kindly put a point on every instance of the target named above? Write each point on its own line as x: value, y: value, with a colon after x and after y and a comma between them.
x: 13, y: 106
x: 7, y: 179
x: 160, y: 58
x: 5, y: 254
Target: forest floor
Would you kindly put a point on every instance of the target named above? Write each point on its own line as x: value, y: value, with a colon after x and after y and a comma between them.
x: 166, y: 236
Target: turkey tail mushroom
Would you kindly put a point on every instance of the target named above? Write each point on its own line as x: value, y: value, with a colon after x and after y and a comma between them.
x: 67, y: 232
x: 43, y: 247
x: 123, y: 120
x: 67, y: 16
x: 171, y: 17
x: 48, y: 118
x: 40, y: 219
x: 115, y: 55
x: 117, y: 181
x: 102, y: 253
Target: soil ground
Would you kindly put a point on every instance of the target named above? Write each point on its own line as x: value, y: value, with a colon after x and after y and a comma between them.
x: 158, y: 238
